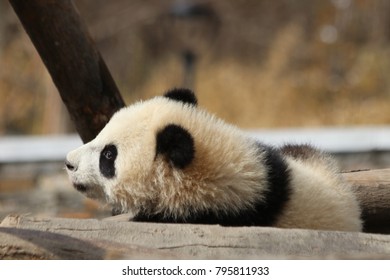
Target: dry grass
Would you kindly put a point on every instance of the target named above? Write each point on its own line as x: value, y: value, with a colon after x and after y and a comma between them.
x: 280, y: 94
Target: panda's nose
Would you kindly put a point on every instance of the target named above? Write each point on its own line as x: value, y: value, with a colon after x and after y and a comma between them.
x: 69, y: 166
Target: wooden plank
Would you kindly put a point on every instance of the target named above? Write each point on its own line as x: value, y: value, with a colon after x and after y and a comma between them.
x: 75, y: 65
x: 29, y: 237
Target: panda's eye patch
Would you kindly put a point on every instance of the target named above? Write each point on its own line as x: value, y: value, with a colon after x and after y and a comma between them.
x: 107, y: 161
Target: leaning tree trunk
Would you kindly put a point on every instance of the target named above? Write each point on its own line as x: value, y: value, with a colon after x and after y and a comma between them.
x: 74, y: 63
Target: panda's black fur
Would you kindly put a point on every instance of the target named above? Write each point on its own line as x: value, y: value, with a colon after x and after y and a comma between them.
x: 183, y: 95
x: 107, y: 161
x: 177, y: 144
x: 291, y: 186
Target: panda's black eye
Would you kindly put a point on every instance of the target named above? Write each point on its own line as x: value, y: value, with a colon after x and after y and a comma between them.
x: 108, y: 155
x: 107, y: 161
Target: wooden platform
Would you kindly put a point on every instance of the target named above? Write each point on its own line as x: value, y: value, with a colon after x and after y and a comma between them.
x: 34, y: 238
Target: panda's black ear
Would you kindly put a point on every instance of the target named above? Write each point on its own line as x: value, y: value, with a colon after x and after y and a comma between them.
x: 184, y: 95
x: 176, y: 144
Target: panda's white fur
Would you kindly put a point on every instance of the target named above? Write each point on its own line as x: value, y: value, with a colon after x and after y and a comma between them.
x: 226, y: 175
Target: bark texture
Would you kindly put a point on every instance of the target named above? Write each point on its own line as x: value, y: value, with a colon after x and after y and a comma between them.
x: 73, y: 61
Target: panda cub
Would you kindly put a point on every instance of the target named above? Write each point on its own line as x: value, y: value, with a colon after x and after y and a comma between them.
x: 166, y: 160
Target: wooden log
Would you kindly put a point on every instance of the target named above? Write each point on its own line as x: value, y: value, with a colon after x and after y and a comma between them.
x: 28, y: 244
x: 28, y: 237
x: 373, y: 191
x: 75, y: 65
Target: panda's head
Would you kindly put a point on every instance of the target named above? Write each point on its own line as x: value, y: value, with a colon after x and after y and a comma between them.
x: 125, y: 153
x: 166, y: 155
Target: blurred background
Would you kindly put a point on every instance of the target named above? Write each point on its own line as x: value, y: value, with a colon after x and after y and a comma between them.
x: 259, y: 64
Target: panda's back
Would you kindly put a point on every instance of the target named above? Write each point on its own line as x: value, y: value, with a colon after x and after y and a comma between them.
x: 319, y: 197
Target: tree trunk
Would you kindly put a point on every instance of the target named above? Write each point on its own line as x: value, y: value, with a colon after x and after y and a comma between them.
x: 75, y: 65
